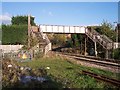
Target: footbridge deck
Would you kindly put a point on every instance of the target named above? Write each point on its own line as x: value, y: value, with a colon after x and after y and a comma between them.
x: 62, y: 29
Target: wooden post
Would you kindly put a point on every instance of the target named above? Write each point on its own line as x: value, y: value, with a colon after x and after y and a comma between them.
x: 85, y: 46
x: 81, y: 48
x: 106, y: 54
x: 113, y: 50
x: 28, y: 31
x: 95, y: 49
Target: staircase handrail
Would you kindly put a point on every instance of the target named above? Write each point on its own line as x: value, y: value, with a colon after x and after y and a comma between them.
x: 104, y: 37
x: 99, y: 38
x: 108, y: 43
x: 44, y: 36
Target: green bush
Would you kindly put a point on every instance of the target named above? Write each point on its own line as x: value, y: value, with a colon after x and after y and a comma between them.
x: 14, y: 34
x: 58, y: 39
x: 106, y: 28
x: 76, y: 39
x: 22, y: 20
x: 117, y: 53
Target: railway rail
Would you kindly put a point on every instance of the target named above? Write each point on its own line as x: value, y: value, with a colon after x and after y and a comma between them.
x: 96, y: 58
x: 105, y: 64
x: 100, y: 61
x: 103, y: 78
x: 109, y: 62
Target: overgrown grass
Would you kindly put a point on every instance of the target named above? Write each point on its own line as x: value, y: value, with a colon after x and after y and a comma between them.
x: 69, y: 74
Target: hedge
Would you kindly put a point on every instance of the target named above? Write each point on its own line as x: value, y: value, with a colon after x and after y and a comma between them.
x: 14, y: 34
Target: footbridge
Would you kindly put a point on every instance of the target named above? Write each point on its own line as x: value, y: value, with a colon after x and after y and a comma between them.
x: 62, y: 29
x: 96, y: 37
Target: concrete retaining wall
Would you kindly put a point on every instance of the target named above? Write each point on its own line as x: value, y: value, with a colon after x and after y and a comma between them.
x: 9, y: 48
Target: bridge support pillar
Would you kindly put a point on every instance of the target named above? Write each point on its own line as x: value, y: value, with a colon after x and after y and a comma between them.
x: 106, y: 54
x: 85, y: 47
x: 95, y: 49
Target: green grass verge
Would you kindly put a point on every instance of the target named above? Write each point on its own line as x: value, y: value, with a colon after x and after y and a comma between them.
x: 69, y: 74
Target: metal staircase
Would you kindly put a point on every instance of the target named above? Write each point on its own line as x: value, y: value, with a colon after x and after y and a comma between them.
x: 101, y: 39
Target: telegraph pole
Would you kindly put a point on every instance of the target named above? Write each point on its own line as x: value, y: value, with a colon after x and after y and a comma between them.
x: 116, y: 32
x: 29, y: 31
x: 116, y: 37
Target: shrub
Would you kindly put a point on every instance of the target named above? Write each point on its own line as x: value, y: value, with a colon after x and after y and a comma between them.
x: 57, y: 39
x: 22, y: 20
x: 117, y: 53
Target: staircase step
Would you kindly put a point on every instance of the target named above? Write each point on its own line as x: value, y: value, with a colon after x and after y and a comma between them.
x: 42, y: 40
x: 42, y: 44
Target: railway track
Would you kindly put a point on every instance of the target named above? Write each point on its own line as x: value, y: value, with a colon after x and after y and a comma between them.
x: 99, y: 61
x: 103, y: 78
x: 96, y: 58
x: 109, y: 62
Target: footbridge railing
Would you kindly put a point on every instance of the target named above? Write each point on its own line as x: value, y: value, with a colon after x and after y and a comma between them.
x: 101, y: 39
